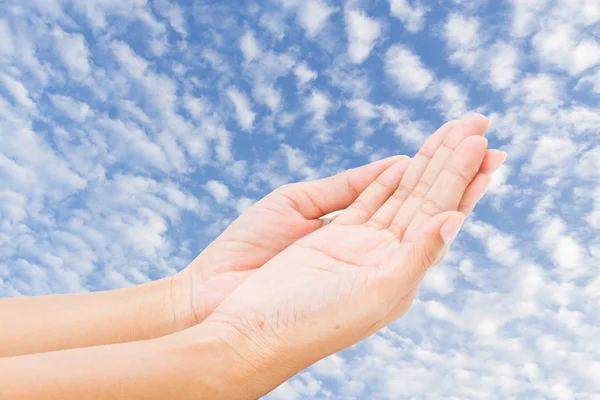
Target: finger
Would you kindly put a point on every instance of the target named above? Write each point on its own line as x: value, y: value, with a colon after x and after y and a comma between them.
x: 492, y: 161
x: 474, y: 193
x: 436, y: 237
x: 473, y: 125
x: 375, y: 195
x: 420, y: 255
x: 321, y: 197
x: 477, y: 188
x: 448, y: 190
x: 416, y: 167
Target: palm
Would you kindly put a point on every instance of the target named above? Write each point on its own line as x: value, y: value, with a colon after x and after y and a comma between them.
x: 267, y: 228
x: 361, y: 272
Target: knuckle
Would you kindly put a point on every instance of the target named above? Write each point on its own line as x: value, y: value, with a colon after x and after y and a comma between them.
x: 359, y: 206
x: 422, y: 188
x: 431, y: 207
x: 385, y: 184
x: 351, y: 188
x: 377, y: 224
x: 426, y: 151
x: 401, y: 193
x: 460, y: 175
x: 451, y: 142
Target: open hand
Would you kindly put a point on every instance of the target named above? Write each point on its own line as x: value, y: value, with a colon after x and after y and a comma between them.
x: 296, y: 210
x: 345, y: 281
x: 268, y: 227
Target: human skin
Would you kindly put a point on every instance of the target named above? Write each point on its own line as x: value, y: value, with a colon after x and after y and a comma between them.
x: 172, y: 304
x: 328, y: 290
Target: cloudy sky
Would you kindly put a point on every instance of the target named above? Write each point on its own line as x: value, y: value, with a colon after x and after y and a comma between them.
x: 133, y: 131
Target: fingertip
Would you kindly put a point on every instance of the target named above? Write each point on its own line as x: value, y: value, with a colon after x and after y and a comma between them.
x: 478, y: 141
x: 479, y: 122
x: 493, y: 160
x: 474, y: 193
x: 501, y: 155
x: 451, y: 123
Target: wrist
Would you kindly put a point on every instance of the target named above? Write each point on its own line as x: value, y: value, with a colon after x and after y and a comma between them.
x: 228, y: 364
x: 181, y: 300
x: 197, y: 290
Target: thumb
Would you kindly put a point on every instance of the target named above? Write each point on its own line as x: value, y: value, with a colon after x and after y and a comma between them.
x: 438, y: 233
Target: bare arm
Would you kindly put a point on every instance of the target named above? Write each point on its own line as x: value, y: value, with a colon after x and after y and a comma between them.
x: 193, y: 364
x: 48, y: 323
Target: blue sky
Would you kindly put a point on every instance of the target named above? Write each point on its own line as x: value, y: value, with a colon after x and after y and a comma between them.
x: 133, y: 131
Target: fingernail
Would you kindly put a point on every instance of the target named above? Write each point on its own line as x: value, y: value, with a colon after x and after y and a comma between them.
x: 451, y: 228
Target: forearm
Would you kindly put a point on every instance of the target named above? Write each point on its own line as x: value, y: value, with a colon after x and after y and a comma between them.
x: 49, y: 323
x: 196, y: 365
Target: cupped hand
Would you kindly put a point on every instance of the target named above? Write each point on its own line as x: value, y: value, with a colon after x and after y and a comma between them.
x: 265, y: 229
x: 294, y: 211
x: 343, y: 282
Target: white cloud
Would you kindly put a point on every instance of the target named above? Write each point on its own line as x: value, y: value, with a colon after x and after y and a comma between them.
x: 440, y: 280
x: 501, y: 247
x: 498, y: 185
x: 304, y: 74
x: 409, y: 131
x: 243, y: 109
x: 540, y: 88
x: 588, y: 165
x: 407, y: 70
x: 586, y: 54
x: 134, y: 64
x: 362, y: 109
x: 362, y: 33
x: 267, y: 95
x: 567, y: 253
x: 412, y: 16
x: 503, y: 65
x: 195, y: 106
x: 592, y: 79
x: 296, y: 159
x: 313, y: 15
x: 6, y: 44
x: 561, y: 150
x: 463, y: 38
x: 17, y: 90
x: 318, y: 104
x: 274, y: 23
x: 453, y: 101
x: 218, y: 190
x: 73, y: 109
x: 243, y: 203
x: 526, y: 16
x: 249, y: 46
x: 175, y: 14
x: 72, y: 49
x: 560, y: 46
